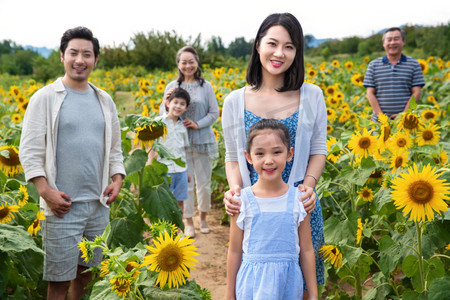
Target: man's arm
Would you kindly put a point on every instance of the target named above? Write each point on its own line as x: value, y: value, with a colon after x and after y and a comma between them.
x: 373, y: 101
x: 57, y: 201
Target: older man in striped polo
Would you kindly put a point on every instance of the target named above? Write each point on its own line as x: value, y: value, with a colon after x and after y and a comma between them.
x: 392, y: 80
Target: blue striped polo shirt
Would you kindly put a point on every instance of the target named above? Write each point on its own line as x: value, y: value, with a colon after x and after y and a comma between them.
x: 393, y: 83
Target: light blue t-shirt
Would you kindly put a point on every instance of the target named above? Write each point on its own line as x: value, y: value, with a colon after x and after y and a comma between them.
x: 80, y: 146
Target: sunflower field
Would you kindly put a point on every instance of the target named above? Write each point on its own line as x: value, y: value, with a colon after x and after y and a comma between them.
x: 385, y: 192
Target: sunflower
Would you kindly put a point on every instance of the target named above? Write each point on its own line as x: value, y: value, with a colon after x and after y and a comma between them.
x: 410, y: 122
x: 423, y: 65
x: 419, y: 193
x: 172, y: 259
x: 132, y: 267
x: 36, y: 225
x: 144, y: 110
x: 442, y: 158
x: 366, y: 194
x: 339, y: 96
x: 348, y: 65
x: 16, y: 118
x: 366, y: 59
x: 121, y: 284
x: 160, y: 88
x: 162, y: 81
x: 359, y: 231
x: 329, y: 129
x: 145, y: 135
x: 311, y: 72
x: 335, y: 63
x: 23, y: 195
x: 399, y: 159
x: 430, y: 115
x: 87, y: 252
x: 15, y: 90
x: 385, y: 131
x: 6, y: 212
x: 219, y: 96
x: 400, y: 140
x: 23, y: 107
x: 447, y: 247
x: 332, y: 254
x: 216, y: 134
x: 332, y: 156
x: 363, y: 144
x: 357, y: 79
x: 331, y: 115
x: 10, y: 163
x: 333, y: 101
x: 431, y: 99
x: 345, y: 116
x: 330, y: 90
x: 106, y: 265
x: 428, y: 134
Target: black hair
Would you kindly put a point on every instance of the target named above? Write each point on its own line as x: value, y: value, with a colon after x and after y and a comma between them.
x: 79, y: 33
x: 180, y: 93
x: 198, y: 73
x: 394, y: 29
x: 271, y: 124
x: 295, y: 75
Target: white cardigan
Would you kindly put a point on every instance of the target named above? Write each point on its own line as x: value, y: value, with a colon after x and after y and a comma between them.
x: 37, y: 151
x: 310, y: 139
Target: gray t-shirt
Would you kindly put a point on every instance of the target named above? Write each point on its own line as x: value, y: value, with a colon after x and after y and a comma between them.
x: 80, y: 145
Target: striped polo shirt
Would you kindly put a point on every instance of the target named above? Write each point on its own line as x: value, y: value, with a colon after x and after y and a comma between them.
x: 393, y: 83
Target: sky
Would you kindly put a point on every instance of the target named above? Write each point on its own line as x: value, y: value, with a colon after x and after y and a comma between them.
x: 42, y: 23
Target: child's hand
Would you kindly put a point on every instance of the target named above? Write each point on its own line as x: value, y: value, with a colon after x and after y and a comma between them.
x: 169, y: 92
x: 232, y: 204
x: 189, y: 177
x: 310, y: 204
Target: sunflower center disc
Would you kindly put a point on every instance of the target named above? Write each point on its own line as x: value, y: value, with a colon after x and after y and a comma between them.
x: 427, y: 135
x: 3, y: 213
x: 401, y: 142
x: 411, y: 122
x: 398, y: 162
x: 364, y: 143
x: 169, y: 259
x: 421, y: 192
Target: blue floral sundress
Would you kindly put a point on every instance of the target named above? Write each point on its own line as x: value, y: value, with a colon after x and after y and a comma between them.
x: 317, y: 234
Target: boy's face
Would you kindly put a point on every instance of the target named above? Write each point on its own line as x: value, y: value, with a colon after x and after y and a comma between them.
x: 177, y: 106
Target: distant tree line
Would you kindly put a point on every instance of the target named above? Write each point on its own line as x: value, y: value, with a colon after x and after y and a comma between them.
x: 420, y: 42
x: 157, y: 51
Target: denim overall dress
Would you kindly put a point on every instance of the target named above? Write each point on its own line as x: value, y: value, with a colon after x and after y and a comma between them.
x: 270, y: 269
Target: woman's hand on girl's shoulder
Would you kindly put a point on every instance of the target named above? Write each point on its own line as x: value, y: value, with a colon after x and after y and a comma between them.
x: 232, y: 205
x: 310, y: 204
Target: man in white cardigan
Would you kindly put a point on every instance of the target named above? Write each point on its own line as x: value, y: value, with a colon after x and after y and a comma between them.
x: 70, y: 149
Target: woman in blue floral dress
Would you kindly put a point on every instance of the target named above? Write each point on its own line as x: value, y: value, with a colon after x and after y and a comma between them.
x: 276, y: 89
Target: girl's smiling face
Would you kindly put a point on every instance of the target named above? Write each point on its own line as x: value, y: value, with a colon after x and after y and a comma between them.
x: 268, y: 154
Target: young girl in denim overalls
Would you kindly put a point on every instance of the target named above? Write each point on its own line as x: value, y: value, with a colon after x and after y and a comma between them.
x: 269, y: 236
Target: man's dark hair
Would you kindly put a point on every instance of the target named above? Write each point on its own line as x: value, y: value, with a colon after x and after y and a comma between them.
x: 180, y: 93
x: 295, y: 75
x: 394, y: 29
x: 271, y: 124
x: 79, y: 33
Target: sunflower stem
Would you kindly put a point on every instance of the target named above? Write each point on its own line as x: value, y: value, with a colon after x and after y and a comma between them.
x: 419, y: 250
x: 335, y: 201
x: 358, y: 286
